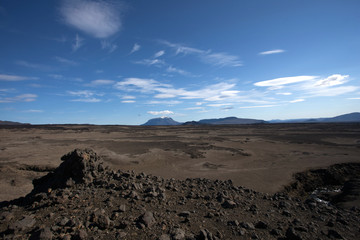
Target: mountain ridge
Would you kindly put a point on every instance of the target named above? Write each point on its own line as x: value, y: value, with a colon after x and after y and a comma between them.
x: 167, y: 121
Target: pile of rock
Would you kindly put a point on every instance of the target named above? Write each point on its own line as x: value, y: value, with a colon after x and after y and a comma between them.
x: 82, y: 199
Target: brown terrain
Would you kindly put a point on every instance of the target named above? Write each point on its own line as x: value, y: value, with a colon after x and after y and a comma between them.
x: 172, y: 182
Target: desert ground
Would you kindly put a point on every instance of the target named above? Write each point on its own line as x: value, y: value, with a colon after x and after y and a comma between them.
x: 261, y: 157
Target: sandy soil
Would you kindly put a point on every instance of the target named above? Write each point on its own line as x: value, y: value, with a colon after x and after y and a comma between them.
x: 260, y: 157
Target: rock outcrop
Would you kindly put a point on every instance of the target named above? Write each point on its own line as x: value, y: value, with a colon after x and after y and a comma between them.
x: 82, y: 199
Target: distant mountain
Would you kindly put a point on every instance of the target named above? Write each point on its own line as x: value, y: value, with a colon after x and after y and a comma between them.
x: 228, y: 120
x: 12, y: 123
x: 163, y: 121
x: 350, y: 117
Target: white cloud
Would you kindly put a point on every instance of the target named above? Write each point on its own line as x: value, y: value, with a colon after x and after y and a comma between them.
x: 149, y: 62
x: 84, y: 96
x: 33, y: 111
x: 128, y: 101
x: 33, y: 65
x: 128, y: 97
x: 101, y: 82
x: 355, y: 98
x: 297, y: 100
x: 261, y: 106
x: 82, y: 93
x: 216, y: 59
x: 284, y: 93
x: 215, y: 92
x: 177, y: 70
x: 219, y: 104
x: 194, y: 108
x: 333, y: 80
x: 284, y: 81
x: 100, y: 19
x: 171, y: 102
x: 78, y: 42
x: 110, y: 47
x: 28, y: 97
x: 272, y: 52
x: 135, y: 48
x: 159, y: 54
x: 15, y: 78
x: 65, y: 61
x: 56, y: 76
x: 87, y: 100
x: 221, y: 59
x: 165, y: 112
x: 140, y: 84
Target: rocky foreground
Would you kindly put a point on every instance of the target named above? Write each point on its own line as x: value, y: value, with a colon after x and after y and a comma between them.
x: 82, y: 199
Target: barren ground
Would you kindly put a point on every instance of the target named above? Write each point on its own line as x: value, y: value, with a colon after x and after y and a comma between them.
x: 260, y: 157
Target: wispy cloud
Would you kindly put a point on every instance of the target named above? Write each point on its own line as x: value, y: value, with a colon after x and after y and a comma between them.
x: 135, y: 48
x: 110, y: 47
x: 87, y: 100
x: 128, y: 101
x: 33, y: 111
x: 28, y: 97
x: 168, y: 102
x: 172, y: 69
x: 220, y: 59
x: 15, y: 78
x: 99, y: 19
x: 215, y: 92
x: 56, y: 76
x: 159, y: 54
x: 165, y: 112
x: 150, y: 62
x: 275, y: 51
x: 78, y: 42
x: 65, y: 61
x: 128, y: 97
x: 310, y: 86
x: 261, y: 106
x: 85, y: 96
x: 140, y: 85
x: 37, y: 66
x: 284, y: 81
x: 220, y: 104
x: 333, y: 80
x: 297, y: 100
x: 100, y: 82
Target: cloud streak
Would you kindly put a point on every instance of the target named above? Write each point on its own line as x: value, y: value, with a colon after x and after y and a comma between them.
x: 65, y: 61
x: 135, y: 48
x: 275, y: 51
x: 28, y: 97
x: 283, y: 81
x: 165, y: 112
x: 99, y: 19
x: 15, y: 78
x: 78, y: 42
x: 220, y: 59
x: 84, y: 96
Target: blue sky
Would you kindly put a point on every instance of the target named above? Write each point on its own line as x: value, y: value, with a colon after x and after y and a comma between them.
x: 124, y: 62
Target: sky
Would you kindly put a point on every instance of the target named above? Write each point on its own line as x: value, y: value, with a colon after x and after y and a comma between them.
x: 124, y: 62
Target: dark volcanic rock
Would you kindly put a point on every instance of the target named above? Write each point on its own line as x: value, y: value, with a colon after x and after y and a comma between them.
x: 81, y: 199
x: 79, y: 166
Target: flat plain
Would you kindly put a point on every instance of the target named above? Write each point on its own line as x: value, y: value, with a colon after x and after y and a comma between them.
x: 261, y: 157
